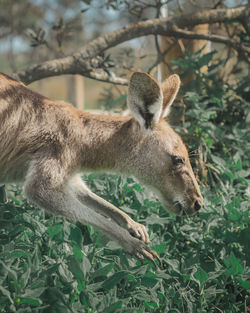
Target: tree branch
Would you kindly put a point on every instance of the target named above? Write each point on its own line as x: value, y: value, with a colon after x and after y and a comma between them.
x: 215, y: 38
x: 107, y: 78
x: 79, y: 62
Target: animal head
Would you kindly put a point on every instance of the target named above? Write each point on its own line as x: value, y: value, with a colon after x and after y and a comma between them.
x: 163, y: 158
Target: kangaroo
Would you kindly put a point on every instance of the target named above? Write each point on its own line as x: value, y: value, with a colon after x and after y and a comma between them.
x: 45, y: 144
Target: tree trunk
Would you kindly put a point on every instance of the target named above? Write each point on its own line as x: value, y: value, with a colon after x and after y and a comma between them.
x: 176, y: 49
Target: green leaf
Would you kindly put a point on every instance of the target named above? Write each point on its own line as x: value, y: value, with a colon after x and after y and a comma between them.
x: 244, y: 283
x: 19, y: 254
x: 244, y: 239
x: 75, y: 268
x: 229, y: 174
x: 233, y: 215
x: 160, y: 249
x: 114, y: 280
x: 33, y: 293
x: 115, y: 102
x: 114, y: 307
x: 206, y: 58
x: 15, y: 200
x: 76, y: 235
x: 103, y: 271
x: 201, y: 275
x: 151, y: 304
x: 8, y: 270
x: 6, y: 293
x: 54, y: 230
x: 149, y: 281
x: 77, y: 253
x: 234, y: 266
x: 30, y: 301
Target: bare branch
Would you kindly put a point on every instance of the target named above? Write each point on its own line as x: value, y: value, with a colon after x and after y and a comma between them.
x: 104, y: 77
x: 79, y: 62
x: 68, y: 65
x: 161, y: 57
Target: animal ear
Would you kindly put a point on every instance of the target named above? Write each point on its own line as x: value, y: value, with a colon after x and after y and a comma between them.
x: 170, y: 88
x: 145, y: 99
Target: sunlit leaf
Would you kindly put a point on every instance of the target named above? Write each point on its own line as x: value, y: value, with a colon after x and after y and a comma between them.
x: 201, y: 275
x: 234, y: 266
x: 54, y: 230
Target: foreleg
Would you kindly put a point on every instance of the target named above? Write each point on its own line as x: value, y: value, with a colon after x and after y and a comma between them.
x: 49, y: 192
x: 90, y: 199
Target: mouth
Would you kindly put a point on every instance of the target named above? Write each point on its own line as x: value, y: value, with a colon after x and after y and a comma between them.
x: 188, y: 214
x: 180, y: 210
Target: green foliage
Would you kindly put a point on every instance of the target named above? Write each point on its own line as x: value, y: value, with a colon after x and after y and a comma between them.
x: 108, y: 100
x: 48, y: 264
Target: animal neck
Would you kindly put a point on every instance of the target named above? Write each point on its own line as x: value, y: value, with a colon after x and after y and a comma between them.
x: 110, y: 143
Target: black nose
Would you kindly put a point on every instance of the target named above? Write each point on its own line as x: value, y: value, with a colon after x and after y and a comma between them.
x: 197, y: 205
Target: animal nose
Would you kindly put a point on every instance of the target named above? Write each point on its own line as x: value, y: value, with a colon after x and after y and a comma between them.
x: 197, y: 205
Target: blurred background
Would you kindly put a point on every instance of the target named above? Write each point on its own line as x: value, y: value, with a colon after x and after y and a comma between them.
x: 33, y: 31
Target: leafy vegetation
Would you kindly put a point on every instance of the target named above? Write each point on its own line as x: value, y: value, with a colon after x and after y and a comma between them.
x: 48, y: 264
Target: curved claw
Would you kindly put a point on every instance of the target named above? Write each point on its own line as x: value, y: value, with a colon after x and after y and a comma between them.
x: 155, y: 255
x: 139, y: 256
x: 145, y: 252
x: 139, y: 248
x: 149, y: 256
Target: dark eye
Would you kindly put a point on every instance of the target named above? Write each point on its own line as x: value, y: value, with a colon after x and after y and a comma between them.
x: 177, y: 160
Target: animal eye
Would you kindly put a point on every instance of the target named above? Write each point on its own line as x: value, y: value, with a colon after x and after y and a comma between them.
x: 177, y: 160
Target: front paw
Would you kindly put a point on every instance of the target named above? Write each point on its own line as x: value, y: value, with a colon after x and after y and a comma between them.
x: 140, y: 250
x: 138, y: 230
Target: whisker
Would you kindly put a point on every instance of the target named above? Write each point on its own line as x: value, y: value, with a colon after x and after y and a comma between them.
x: 176, y: 204
x: 184, y: 211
